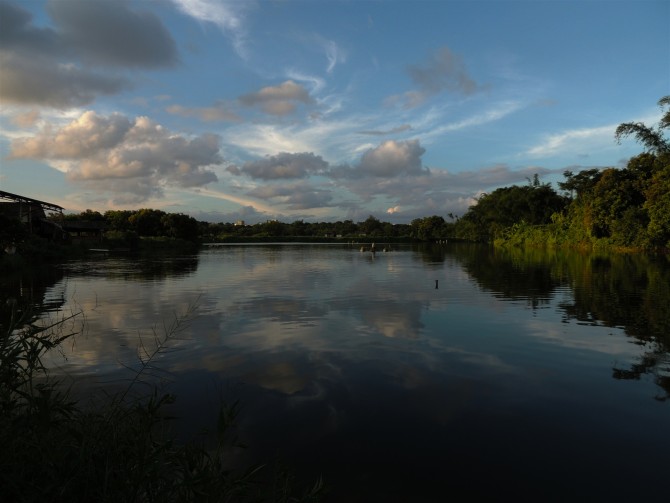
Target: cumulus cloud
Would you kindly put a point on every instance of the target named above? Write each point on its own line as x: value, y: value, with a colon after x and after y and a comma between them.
x: 278, y: 100
x: 219, y: 112
x: 282, y: 166
x: 51, y: 66
x: 81, y: 138
x: 390, y: 159
x: 27, y: 119
x: 136, y: 156
x: 393, y: 158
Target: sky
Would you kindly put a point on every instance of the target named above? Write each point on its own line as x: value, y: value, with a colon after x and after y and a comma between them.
x: 318, y: 110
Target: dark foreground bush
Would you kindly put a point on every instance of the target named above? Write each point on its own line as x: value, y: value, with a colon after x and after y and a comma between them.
x: 52, y: 448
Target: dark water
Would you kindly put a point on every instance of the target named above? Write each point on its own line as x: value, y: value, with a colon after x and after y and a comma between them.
x: 422, y: 374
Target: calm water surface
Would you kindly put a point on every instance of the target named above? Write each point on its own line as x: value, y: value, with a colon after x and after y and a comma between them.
x: 421, y: 374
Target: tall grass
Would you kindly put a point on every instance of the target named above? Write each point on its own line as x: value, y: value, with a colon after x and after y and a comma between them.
x: 54, y: 448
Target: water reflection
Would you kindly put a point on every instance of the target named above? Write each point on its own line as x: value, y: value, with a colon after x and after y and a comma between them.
x: 631, y: 292
x: 348, y: 363
x: 512, y: 276
x: 135, y: 268
x: 278, y: 297
x: 34, y: 290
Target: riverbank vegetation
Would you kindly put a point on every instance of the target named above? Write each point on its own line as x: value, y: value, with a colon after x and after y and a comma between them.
x: 112, y: 447
x: 613, y: 208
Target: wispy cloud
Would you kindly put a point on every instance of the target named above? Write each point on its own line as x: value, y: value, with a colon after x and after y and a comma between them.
x: 398, y: 129
x: 227, y: 15
x: 573, y: 140
x: 243, y: 201
x: 316, y: 82
x: 334, y: 54
x: 431, y: 128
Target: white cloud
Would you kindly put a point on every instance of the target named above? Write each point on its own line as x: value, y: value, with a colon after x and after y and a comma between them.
x: 393, y: 158
x: 494, y: 113
x: 389, y: 159
x: 136, y: 158
x: 317, y: 83
x: 242, y: 201
x: 227, y: 15
x: 266, y: 139
x: 584, y: 140
x: 334, y: 54
x: 573, y: 140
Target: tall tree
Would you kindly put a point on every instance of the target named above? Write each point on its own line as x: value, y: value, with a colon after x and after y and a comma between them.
x: 533, y: 204
x: 652, y: 138
x: 147, y: 222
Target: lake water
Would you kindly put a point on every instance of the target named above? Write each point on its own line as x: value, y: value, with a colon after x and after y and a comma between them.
x: 435, y: 373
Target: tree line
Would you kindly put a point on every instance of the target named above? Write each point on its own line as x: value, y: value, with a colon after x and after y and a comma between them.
x: 615, y: 208
x: 619, y: 207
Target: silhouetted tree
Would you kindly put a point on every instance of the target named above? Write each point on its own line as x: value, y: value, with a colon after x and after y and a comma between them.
x: 652, y: 138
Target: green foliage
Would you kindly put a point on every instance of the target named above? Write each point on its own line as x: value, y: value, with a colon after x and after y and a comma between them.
x: 118, y: 239
x: 657, y: 205
x: 579, y: 184
x: 147, y: 222
x: 300, y: 230
x: 371, y: 227
x: 179, y: 226
x: 88, y: 215
x: 118, y: 220
x: 495, y: 213
x: 430, y: 228
x: 625, y: 208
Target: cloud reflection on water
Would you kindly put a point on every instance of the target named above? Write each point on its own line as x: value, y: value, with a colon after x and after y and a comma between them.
x: 361, y: 359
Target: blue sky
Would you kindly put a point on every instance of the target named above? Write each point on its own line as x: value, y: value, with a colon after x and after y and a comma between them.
x: 318, y: 110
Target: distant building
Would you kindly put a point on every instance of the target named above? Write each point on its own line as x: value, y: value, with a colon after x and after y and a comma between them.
x: 239, y: 223
x: 32, y: 214
x: 84, y: 230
